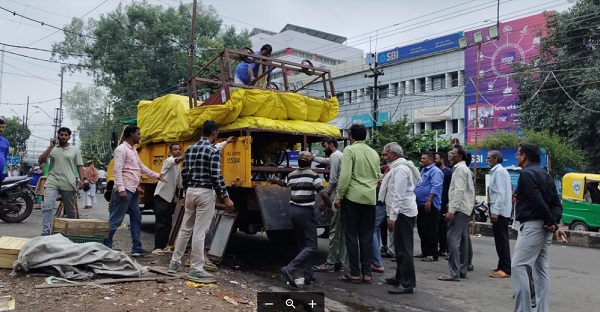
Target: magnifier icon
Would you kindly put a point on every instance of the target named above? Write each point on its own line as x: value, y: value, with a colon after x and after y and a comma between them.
x: 290, y: 303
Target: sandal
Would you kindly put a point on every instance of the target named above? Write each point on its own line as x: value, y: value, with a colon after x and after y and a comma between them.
x: 349, y: 279
x: 377, y: 269
x: 448, y: 278
x: 368, y: 280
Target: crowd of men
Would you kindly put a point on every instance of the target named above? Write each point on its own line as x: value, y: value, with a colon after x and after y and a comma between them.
x: 364, y: 199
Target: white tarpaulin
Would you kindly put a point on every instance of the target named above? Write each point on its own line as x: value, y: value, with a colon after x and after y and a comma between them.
x: 57, y: 255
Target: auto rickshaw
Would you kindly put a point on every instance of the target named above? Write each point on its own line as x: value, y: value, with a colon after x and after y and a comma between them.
x: 581, y: 201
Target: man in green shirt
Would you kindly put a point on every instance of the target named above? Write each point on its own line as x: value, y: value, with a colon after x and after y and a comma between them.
x: 357, y: 197
x: 64, y: 157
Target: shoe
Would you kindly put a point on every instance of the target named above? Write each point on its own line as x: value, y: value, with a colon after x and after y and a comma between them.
x: 37, y: 207
x: 308, y: 281
x: 448, y: 278
x: 202, y: 274
x: 463, y: 276
x: 158, y: 252
x: 173, y: 267
x: 351, y: 279
x: 392, y: 281
x: 470, y: 267
x: 338, y: 267
x: 377, y: 269
x: 443, y: 254
x: 499, y: 274
x: 325, y: 267
x: 429, y: 259
x: 87, y: 207
x: 289, y: 277
x: 399, y: 290
x: 140, y: 253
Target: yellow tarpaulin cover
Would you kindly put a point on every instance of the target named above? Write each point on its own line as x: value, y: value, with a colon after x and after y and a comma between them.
x: 169, y: 118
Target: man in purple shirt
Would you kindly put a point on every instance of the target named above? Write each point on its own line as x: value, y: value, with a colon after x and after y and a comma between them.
x: 246, y: 73
x: 4, y: 147
x: 128, y: 169
x: 429, y: 202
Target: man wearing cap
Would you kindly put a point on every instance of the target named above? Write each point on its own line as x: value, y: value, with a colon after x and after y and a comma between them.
x: 303, y: 183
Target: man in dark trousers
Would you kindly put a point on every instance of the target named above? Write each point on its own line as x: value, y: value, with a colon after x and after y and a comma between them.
x: 440, y: 162
x: 538, y: 209
x: 428, y: 192
x: 303, y: 184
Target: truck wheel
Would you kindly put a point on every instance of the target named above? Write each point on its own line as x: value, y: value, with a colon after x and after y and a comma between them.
x: 282, y: 237
x: 578, y: 226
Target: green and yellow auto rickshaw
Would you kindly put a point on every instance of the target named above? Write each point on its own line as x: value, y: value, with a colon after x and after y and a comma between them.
x: 581, y: 201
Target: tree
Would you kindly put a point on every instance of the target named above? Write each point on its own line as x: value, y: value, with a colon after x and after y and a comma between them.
x: 563, y: 155
x: 16, y: 133
x: 413, y: 145
x: 139, y: 51
x: 567, y: 78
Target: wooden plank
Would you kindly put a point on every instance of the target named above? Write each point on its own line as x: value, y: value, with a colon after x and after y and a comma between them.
x: 106, y: 281
x: 80, y: 227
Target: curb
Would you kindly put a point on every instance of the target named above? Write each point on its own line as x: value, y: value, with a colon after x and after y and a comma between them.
x: 574, y: 238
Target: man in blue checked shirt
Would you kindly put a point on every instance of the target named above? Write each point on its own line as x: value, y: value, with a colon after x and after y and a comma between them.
x: 429, y: 202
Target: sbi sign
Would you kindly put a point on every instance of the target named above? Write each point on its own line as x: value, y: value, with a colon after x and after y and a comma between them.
x: 420, y: 49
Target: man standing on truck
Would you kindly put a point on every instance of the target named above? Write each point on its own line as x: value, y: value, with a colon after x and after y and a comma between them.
x: 165, y: 198
x: 303, y: 184
x: 202, y: 175
x: 245, y: 73
x: 357, y: 197
x: 336, y: 254
x: 64, y: 157
x: 128, y: 172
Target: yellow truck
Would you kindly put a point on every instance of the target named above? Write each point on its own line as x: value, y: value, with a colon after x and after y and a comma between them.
x: 266, y: 145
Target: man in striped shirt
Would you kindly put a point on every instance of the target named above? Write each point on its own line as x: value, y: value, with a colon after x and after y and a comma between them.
x: 303, y: 184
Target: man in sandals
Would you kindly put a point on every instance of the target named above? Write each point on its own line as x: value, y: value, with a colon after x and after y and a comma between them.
x: 303, y: 184
x: 357, y: 198
x: 461, y: 201
x: 397, y: 191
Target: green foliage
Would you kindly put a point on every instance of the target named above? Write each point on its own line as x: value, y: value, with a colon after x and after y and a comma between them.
x: 139, y: 50
x: 16, y: 133
x: 562, y: 153
x: 412, y: 144
x: 568, y: 104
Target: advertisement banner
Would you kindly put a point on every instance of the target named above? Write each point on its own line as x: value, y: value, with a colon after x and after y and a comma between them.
x: 419, y: 49
x: 498, y: 105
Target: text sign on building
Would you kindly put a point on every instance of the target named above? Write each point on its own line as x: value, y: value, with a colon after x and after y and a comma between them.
x: 367, y: 119
x: 508, y: 154
x: 13, y: 160
x: 419, y: 49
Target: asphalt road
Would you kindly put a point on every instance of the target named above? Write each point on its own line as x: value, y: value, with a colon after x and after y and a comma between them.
x: 575, y: 273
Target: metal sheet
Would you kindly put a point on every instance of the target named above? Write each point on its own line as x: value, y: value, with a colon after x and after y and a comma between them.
x: 223, y: 227
x: 274, y: 205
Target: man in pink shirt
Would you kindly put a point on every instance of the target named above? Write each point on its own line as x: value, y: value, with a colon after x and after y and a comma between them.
x: 128, y: 172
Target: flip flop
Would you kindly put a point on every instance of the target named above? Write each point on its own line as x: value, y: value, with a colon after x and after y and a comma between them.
x: 349, y: 279
x: 367, y: 281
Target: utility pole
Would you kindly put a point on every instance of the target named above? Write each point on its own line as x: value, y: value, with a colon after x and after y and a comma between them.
x: 62, y: 71
x: 191, y: 86
x: 56, y: 116
x: 1, y: 70
x: 74, y: 137
x: 376, y: 73
x: 25, y: 120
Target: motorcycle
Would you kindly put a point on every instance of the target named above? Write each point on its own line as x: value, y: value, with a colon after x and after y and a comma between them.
x: 15, y: 202
x: 480, y: 211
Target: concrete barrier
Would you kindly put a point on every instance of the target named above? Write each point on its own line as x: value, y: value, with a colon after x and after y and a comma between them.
x: 574, y: 238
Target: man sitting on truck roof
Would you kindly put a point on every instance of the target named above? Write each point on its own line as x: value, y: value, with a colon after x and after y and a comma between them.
x: 246, y: 73
x: 303, y: 183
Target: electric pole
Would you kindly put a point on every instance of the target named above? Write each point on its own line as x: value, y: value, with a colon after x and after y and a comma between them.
x: 62, y: 71
x: 376, y: 73
x: 56, y: 126
x: 1, y: 69
x: 25, y: 120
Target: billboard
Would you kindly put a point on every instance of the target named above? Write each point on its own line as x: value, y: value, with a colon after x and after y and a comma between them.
x: 367, y: 119
x: 419, y: 49
x: 498, y: 107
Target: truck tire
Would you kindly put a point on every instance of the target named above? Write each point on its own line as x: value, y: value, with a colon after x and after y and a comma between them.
x: 282, y: 237
x: 578, y: 226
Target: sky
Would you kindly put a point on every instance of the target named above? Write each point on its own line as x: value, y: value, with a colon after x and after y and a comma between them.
x: 374, y: 25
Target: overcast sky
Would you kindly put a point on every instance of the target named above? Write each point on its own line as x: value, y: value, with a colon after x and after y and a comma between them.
x: 374, y: 25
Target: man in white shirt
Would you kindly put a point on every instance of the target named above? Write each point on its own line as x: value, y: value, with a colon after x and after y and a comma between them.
x: 336, y: 254
x: 461, y: 196
x: 500, y: 199
x: 165, y: 198
x: 397, y: 192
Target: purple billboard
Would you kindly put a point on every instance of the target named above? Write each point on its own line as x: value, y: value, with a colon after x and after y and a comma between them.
x: 498, y: 107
